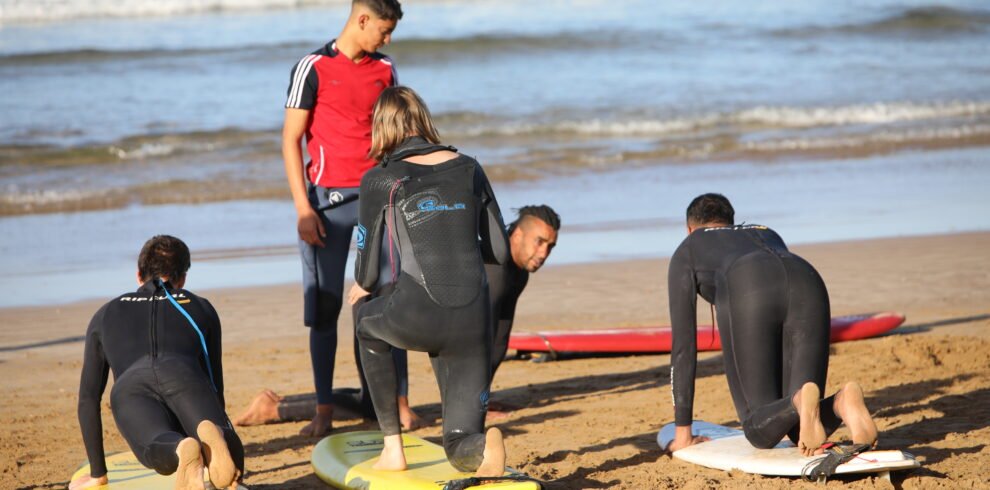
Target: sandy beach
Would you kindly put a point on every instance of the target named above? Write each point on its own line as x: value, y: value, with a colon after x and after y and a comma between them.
x: 584, y: 423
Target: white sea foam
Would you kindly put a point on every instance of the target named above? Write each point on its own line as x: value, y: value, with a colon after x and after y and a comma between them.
x: 759, y: 117
x: 12, y: 11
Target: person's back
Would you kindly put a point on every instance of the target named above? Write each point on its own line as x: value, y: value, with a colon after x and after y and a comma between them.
x: 434, y: 218
x: 142, y: 325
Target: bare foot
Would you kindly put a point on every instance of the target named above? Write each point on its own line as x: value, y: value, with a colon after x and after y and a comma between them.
x: 493, y: 462
x: 409, y: 419
x: 850, y: 406
x: 189, y: 475
x: 812, y: 434
x: 321, y: 424
x: 393, y: 456
x: 263, y: 410
x: 218, y: 460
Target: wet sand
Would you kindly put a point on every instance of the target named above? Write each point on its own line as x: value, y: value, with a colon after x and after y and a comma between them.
x: 584, y: 423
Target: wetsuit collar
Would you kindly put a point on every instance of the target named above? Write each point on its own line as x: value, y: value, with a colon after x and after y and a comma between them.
x: 152, y: 286
x: 413, y: 146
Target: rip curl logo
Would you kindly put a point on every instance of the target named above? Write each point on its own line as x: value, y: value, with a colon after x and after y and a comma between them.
x: 362, y: 232
x: 335, y: 197
x: 426, y: 205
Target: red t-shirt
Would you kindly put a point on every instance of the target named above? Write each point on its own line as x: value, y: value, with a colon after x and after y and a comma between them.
x: 340, y: 96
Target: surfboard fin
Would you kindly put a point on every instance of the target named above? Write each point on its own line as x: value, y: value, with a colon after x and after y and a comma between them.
x: 474, y: 481
x: 822, y: 468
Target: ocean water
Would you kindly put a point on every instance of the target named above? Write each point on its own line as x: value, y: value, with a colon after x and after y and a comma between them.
x: 825, y: 120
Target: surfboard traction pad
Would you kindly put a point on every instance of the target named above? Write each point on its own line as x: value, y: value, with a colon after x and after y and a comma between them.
x: 344, y: 461
x: 126, y: 472
x: 729, y: 450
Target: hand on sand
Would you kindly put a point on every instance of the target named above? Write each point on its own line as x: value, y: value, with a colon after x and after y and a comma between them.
x: 263, y: 410
x: 322, y: 422
x: 87, y: 481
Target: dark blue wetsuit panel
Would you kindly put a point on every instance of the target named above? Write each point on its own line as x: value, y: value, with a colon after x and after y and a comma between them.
x: 773, y: 319
x: 435, y: 215
x: 162, y: 387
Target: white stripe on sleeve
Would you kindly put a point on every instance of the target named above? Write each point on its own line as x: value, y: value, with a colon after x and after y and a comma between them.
x: 299, y: 80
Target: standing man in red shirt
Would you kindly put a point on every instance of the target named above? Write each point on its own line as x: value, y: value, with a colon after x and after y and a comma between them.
x: 332, y: 92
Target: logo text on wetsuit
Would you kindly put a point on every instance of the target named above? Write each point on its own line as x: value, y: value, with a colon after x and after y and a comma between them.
x: 431, y: 205
x: 427, y: 205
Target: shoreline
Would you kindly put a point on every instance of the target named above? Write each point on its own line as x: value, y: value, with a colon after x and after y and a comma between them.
x: 587, y: 422
x: 287, y: 253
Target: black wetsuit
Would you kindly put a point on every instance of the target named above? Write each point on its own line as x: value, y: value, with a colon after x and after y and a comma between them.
x: 435, y: 215
x: 506, y: 283
x: 162, y: 387
x: 773, y: 319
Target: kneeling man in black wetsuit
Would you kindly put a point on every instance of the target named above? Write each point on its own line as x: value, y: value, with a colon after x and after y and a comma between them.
x: 773, y: 316
x: 532, y: 236
x: 162, y: 343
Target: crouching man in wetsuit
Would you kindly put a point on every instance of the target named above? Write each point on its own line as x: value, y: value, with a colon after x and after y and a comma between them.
x: 773, y: 317
x: 532, y: 236
x: 162, y: 343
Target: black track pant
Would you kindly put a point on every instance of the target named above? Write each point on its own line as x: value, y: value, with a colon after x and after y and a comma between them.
x: 459, y: 343
x: 773, y: 318
x: 158, y: 403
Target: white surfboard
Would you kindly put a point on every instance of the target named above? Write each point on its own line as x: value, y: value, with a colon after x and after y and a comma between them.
x: 729, y: 450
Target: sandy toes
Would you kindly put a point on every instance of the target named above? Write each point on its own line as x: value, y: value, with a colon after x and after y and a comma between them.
x: 218, y: 460
x: 189, y: 475
x: 812, y: 434
x: 850, y: 405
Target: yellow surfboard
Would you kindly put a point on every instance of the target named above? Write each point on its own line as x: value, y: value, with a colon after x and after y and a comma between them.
x: 344, y: 461
x: 127, y: 473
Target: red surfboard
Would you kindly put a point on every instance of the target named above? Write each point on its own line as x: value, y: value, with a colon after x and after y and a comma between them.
x: 658, y: 339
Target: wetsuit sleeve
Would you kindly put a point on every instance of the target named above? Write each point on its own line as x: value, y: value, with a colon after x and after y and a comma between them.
x: 92, y: 383
x: 494, y: 243
x: 303, y: 84
x: 683, y: 298
x: 371, y: 227
x: 215, y: 345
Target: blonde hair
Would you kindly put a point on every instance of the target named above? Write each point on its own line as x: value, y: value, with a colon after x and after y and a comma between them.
x: 399, y: 113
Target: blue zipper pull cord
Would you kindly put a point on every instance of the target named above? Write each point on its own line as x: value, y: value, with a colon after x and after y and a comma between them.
x: 202, y: 339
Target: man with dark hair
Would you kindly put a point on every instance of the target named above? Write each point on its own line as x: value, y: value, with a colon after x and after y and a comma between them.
x: 532, y: 236
x: 162, y: 343
x: 330, y: 99
x: 772, y: 311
